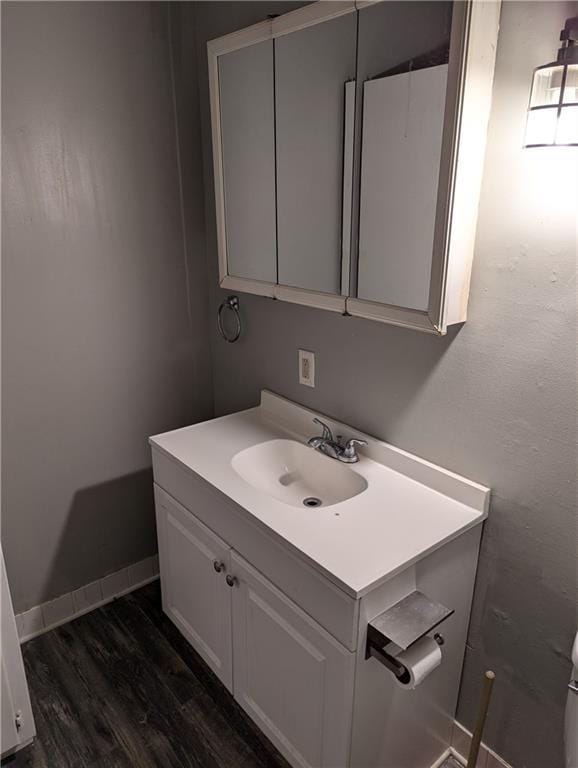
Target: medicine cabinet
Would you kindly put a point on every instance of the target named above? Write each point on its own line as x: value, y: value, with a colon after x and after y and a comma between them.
x: 348, y: 148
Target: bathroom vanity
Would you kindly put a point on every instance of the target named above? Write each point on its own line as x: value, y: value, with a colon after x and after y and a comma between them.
x: 277, y: 595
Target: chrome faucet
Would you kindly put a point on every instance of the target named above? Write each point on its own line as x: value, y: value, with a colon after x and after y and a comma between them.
x: 335, y: 448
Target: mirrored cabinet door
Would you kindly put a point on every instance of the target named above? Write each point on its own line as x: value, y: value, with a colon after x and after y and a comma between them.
x: 403, y: 80
x: 248, y: 157
x: 312, y: 67
x: 348, y: 146
x: 401, y: 147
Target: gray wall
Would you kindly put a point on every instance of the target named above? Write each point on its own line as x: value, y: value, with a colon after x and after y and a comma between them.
x: 105, y: 330
x: 102, y: 345
x: 494, y: 400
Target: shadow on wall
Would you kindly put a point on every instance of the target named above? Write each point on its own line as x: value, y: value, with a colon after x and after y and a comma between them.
x: 96, y: 532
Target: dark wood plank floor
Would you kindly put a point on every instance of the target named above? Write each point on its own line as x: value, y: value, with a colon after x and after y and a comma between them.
x: 120, y: 688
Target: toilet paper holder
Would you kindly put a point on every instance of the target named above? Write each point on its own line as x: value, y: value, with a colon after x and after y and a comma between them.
x: 404, y: 624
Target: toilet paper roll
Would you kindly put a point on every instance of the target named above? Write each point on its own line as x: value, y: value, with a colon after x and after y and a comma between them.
x: 420, y: 660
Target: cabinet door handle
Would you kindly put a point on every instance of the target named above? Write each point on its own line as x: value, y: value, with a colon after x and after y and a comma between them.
x: 232, y: 581
x: 218, y: 566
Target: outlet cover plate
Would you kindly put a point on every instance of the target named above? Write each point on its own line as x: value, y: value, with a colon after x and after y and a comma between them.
x: 306, y: 368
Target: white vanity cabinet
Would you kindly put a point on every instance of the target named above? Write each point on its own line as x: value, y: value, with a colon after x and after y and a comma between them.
x: 287, y: 672
x: 281, y: 599
x: 320, y: 703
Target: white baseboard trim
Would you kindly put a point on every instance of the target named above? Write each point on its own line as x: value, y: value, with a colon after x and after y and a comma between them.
x: 441, y: 759
x: 461, y: 740
x: 42, y: 618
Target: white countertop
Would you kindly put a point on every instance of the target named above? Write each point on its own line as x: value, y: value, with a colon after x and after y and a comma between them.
x: 409, y: 508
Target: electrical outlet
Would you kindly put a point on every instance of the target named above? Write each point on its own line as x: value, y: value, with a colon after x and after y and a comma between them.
x: 306, y: 368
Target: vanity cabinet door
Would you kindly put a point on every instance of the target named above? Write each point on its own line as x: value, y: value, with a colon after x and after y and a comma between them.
x: 290, y: 675
x: 193, y: 564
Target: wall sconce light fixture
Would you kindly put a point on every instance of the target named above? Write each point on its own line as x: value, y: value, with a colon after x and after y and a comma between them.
x: 553, y: 110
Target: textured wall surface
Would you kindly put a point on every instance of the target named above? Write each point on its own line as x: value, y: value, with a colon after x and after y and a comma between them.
x: 102, y: 346
x: 494, y: 400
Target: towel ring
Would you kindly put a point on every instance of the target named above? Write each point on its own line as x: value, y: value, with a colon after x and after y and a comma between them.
x: 232, y: 303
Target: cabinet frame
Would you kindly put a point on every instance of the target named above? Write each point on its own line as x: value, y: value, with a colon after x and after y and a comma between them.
x: 468, y: 100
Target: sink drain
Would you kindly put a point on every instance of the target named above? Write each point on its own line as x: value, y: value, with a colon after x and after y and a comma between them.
x: 312, y: 501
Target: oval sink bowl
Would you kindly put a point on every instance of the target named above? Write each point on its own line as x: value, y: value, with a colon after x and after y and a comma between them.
x: 296, y: 474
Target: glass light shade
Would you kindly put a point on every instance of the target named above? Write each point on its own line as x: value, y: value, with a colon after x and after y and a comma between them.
x: 567, y: 133
x: 553, y: 110
x: 570, y: 95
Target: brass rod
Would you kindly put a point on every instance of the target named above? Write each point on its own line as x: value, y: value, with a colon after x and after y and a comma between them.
x: 481, y: 719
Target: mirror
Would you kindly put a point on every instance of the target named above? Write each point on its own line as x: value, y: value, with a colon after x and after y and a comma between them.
x: 312, y: 67
x: 403, y: 104
x: 248, y: 156
x: 341, y: 178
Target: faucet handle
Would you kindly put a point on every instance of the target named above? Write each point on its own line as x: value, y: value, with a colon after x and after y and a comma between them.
x: 327, y: 433
x: 349, y: 451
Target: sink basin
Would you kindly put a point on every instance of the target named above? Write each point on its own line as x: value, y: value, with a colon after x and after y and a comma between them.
x: 296, y: 474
